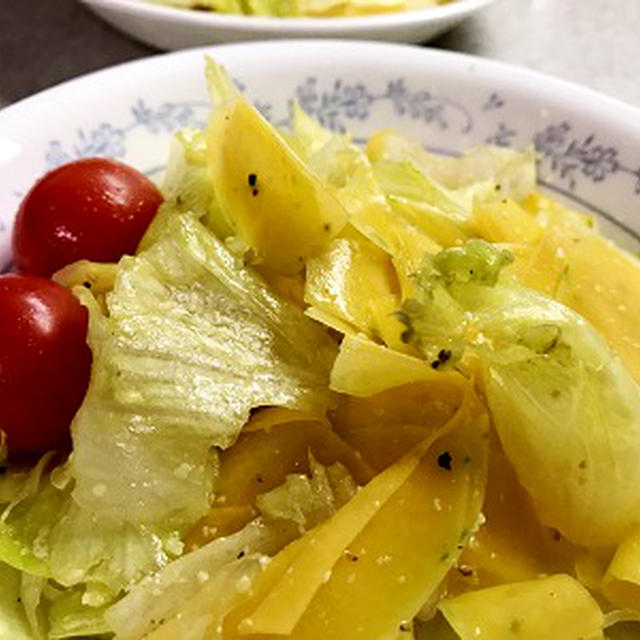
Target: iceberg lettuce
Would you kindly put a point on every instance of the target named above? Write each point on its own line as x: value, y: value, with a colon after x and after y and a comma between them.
x: 190, y: 342
x: 565, y: 408
x: 13, y: 621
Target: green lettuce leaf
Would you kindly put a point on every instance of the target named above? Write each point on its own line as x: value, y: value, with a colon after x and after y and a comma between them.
x: 301, y: 502
x: 345, y: 170
x: 485, y: 171
x: 70, y: 617
x: 289, y: 8
x: 308, y: 500
x: 47, y: 535
x: 220, y: 6
x: 13, y: 621
x: 193, y: 341
x: 31, y: 591
x: 278, y: 8
x: 306, y: 136
x: 403, y: 180
x: 26, y: 525
x: 160, y: 596
x: 565, y: 408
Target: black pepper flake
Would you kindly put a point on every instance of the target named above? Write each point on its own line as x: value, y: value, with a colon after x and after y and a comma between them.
x: 252, y: 179
x: 351, y: 556
x: 498, y: 187
x: 259, y: 479
x: 254, y: 192
x: 444, y: 557
x: 404, y: 627
x: 405, y: 336
x: 465, y: 570
x: 327, y: 227
x: 444, y: 355
x: 555, y: 535
x: 240, y: 555
x: 86, y: 284
x: 444, y: 461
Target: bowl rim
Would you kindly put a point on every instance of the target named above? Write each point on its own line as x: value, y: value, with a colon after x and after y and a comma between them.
x: 591, y: 100
x: 455, y: 10
x: 619, y: 118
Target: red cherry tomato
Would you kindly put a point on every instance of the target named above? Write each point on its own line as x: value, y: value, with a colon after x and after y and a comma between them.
x: 95, y: 208
x: 44, y: 362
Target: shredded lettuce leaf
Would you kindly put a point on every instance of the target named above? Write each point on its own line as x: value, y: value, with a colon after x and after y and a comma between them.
x: 160, y: 596
x: 143, y: 466
x: 566, y: 410
x: 300, y: 502
x: 187, y: 188
x: 318, y: 8
x: 308, y: 500
x: 70, y: 617
x: 184, y: 513
x: 48, y: 535
x: 142, y: 438
x: 486, y: 172
x: 13, y: 621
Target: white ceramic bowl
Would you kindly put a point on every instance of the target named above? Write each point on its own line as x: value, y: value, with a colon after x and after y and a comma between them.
x: 589, y: 145
x: 170, y: 28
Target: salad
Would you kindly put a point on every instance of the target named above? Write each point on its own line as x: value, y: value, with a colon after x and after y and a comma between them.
x: 328, y: 392
x: 299, y: 8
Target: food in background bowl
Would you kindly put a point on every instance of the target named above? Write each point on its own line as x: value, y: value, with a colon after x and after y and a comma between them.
x: 170, y: 27
x: 339, y: 391
x: 297, y: 8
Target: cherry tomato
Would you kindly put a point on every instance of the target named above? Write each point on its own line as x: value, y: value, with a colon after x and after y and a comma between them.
x: 44, y: 362
x: 94, y: 208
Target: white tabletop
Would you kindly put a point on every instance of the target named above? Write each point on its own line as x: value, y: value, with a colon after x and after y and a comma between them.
x: 593, y: 42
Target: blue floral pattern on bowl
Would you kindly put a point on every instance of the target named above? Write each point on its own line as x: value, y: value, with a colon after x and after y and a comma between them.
x: 341, y: 103
x: 334, y: 107
x: 338, y: 104
x: 447, y: 102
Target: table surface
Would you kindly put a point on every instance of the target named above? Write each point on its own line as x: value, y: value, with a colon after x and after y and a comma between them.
x: 593, y: 42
